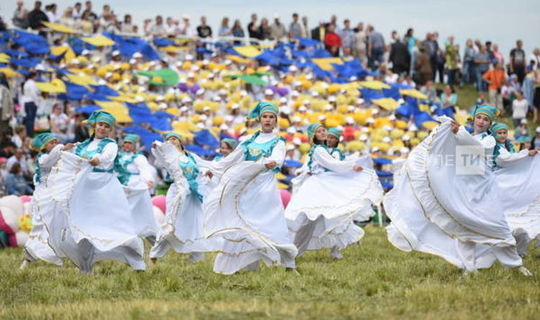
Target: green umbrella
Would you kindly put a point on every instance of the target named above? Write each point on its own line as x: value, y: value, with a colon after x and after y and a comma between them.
x: 168, y: 77
x: 252, y: 78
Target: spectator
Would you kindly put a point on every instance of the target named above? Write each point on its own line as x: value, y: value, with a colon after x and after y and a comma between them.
x: 15, y: 182
x: 438, y: 59
x: 31, y: 97
x: 295, y: 28
x: 429, y: 90
x: 452, y: 60
x: 19, y: 158
x: 20, y: 16
x: 204, y: 30
x: 375, y: 47
x: 77, y: 11
x: 224, y: 29
x: 410, y: 40
x: 535, y: 143
x: 423, y: 67
x: 481, y: 61
x: 92, y: 16
x: 19, y: 137
x: 536, y: 97
x: 3, y: 176
x: 497, y: 55
x: 305, y: 27
x: 52, y: 14
x: 399, y: 57
x: 360, y: 42
x: 449, y: 97
x: 495, y: 79
x: 278, y: 31
x: 253, y: 29
x: 85, y: 25
x: 348, y: 38
x: 59, y: 122
x: 67, y: 18
x: 332, y: 41
x: 264, y: 30
x: 36, y: 17
x: 158, y: 29
x: 534, y: 60
x: 81, y: 130
x: 237, y: 30
x: 468, y: 63
x: 318, y: 33
x: 127, y: 25
x: 520, y: 106
x: 517, y: 61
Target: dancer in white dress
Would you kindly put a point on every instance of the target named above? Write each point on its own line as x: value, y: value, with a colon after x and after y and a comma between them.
x: 452, y: 211
x: 183, y: 227
x: 37, y: 246
x: 520, y: 192
x: 136, y: 176
x: 92, y: 220
x: 245, y: 210
x: 328, y: 196
x: 332, y: 142
x: 225, y: 148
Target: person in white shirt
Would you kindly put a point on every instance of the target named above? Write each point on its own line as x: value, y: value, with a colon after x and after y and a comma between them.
x: 520, y: 106
x: 31, y: 98
x: 77, y: 11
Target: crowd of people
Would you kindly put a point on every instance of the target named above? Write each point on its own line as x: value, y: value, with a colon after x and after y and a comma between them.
x: 102, y: 80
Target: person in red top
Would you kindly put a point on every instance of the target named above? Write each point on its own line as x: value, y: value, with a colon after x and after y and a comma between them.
x: 332, y: 40
x: 495, y: 79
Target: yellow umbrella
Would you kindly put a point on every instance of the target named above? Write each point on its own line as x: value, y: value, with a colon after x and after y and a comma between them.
x: 4, y: 58
x: 59, y: 27
x: 238, y: 59
x: 386, y: 103
x: 98, y: 41
x: 55, y: 86
x: 9, y: 73
x: 326, y: 63
x: 374, y: 84
x: 413, y: 93
x: 83, y: 80
x: 430, y: 125
x: 248, y: 51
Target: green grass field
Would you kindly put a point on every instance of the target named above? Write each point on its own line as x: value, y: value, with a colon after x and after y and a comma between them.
x: 374, y: 280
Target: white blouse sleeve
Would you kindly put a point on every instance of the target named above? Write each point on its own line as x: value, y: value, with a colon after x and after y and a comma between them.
x: 144, y: 168
x: 278, y: 154
x: 48, y: 160
x: 465, y: 138
x: 326, y: 160
x: 106, y: 158
x: 505, y: 158
x: 219, y: 166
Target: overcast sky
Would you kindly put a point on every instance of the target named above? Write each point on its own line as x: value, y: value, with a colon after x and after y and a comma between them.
x: 501, y: 22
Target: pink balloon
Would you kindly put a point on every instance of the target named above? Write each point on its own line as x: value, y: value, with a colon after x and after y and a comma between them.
x: 159, y: 201
x: 285, y: 197
x: 25, y: 199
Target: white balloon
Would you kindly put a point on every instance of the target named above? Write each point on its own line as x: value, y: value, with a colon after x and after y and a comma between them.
x: 10, y: 217
x: 14, y: 203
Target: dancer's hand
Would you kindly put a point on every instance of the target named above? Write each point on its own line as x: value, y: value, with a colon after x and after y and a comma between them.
x: 455, y: 126
x: 533, y: 152
x: 95, y: 162
x: 270, y: 165
x: 68, y: 146
x: 150, y: 184
x: 209, y: 174
x: 357, y: 168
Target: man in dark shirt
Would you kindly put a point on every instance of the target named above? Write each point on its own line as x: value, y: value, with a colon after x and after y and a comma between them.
x: 319, y: 32
x: 204, y: 30
x: 252, y: 27
x: 400, y: 57
x: 36, y: 17
x: 518, y: 61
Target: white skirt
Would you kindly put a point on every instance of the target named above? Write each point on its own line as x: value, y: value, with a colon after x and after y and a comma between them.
x: 142, y: 211
x: 244, y: 211
x: 92, y: 220
x: 457, y: 217
x: 332, y: 202
x: 183, y: 227
x: 37, y: 247
x: 520, y: 186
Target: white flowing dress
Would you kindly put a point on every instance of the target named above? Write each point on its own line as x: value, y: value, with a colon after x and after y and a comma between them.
x: 518, y: 176
x: 92, y: 220
x: 329, y: 196
x: 37, y: 247
x: 138, y: 173
x: 459, y: 217
x: 244, y: 211
x: 183, y: 227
